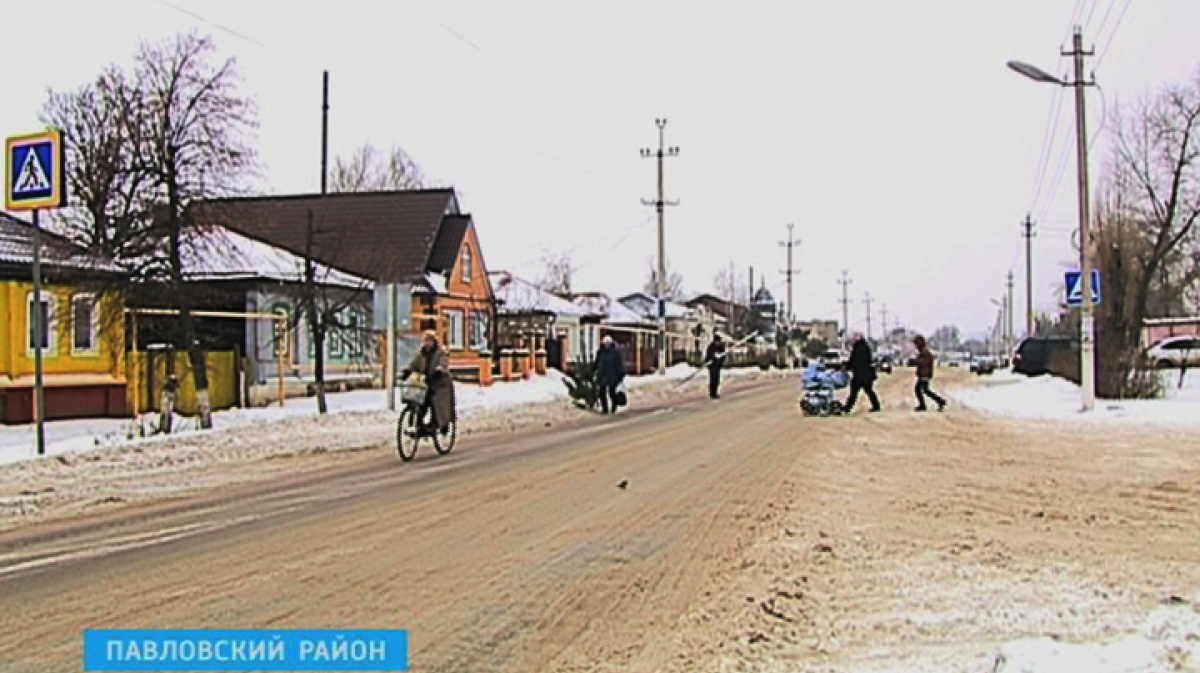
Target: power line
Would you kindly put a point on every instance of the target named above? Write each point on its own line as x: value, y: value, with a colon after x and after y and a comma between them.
x: 1113, y: 34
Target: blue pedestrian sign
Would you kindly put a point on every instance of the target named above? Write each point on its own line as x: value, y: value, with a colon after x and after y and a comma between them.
x: 1074, y: 289
x: 34, y: 171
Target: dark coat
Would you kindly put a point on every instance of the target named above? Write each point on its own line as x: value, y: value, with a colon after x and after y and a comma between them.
x: 714, y: 355
x: 924, y: 363
x: 610, y: 365
x: 861, y: 363
x: 434, y: 367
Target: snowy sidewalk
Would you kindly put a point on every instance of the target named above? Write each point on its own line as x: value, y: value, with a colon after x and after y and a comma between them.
x: 1051, y: 398
x: 65, y: 437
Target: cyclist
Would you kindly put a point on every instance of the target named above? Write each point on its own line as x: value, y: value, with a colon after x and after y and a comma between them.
x: 433, y: 363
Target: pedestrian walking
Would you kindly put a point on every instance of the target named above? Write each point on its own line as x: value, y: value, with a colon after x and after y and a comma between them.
x: 925, y: 375
x: 862, y: 373
x: 714, y: 359
x: 610, y: 373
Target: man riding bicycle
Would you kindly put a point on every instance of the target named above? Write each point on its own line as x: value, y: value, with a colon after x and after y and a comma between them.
x: 434, y: 364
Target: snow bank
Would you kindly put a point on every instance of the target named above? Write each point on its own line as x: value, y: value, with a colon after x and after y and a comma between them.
x: 1170, y: 641
x: 1051, y: 398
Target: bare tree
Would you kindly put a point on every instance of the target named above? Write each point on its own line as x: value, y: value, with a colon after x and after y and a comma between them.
x: 674, y: 282
x: 189, y: 131
x: 1146, y: 221
x: 732, y: 286
x: 367, y: 169
x: 556, y: 274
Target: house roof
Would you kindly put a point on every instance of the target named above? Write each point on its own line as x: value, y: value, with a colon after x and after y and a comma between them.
x: 516, y: 295
x: 384, y: 236
x: 448, y: 242
x: 216, y: 253
x: 16, y: 249
x: 613, y: 312
x: 673, y: 309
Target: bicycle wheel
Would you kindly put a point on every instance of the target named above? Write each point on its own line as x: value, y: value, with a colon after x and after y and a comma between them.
x: 442, y: 443
x: 407, y: 436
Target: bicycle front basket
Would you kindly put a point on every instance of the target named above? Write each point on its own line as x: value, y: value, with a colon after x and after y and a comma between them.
x: 412, y: 393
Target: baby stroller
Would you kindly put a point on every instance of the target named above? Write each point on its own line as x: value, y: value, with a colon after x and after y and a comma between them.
x: 820, y: 390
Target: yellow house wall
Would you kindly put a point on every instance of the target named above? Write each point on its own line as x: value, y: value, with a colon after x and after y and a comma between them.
x: 222, y: 382
x: 16, y: 360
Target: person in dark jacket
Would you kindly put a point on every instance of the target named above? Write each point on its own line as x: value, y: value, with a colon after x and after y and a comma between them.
x: 714, y: 359
x: 610, y: 372
x: 924, y: 362
x: 862, y: 373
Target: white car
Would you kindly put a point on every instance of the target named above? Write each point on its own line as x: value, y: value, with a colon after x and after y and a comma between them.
x: 1177, y: 351
x: 832, y: 358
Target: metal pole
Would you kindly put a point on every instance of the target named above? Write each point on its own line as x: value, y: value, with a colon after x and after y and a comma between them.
x: 1087, y: 370
x: 137, y: 378
x: 389, y: 368
x: 39, y: 320
x: 1012, y: 330
x: 284, y: 342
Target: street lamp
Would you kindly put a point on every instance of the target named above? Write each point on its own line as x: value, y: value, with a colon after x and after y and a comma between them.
x: 1087, y: 372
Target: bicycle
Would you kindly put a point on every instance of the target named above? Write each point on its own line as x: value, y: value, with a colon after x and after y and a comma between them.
x: 411, y: 427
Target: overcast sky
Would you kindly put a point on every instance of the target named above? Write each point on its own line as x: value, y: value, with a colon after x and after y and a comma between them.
x: 890, y: 133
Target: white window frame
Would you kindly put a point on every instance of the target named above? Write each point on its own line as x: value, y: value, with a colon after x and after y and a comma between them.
x: 466, y: 260
x: 454, y: 337
x: 51, y: 336
x: 479, y: 317
x: 93, y: 328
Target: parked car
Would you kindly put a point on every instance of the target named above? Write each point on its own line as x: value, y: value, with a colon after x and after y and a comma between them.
x: 832, y: 358
x: 1174, y: 352
x: 1033, y: 354
x: 883, y: 363
x: 983, y: 365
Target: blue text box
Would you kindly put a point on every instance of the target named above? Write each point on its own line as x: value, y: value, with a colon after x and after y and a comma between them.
x: 188, y: 650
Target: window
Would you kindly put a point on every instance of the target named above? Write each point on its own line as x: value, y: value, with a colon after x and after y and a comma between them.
x: 83, y: 323
x: 278, y: 329
x: 454, y: 329
x: 337, y: 335
x: 355, y: 333
x: 48, y: 322
x: 466, y: 264
x: 479, y: 331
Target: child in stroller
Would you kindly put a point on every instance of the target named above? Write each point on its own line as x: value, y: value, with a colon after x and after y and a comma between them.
x: 820, y: 386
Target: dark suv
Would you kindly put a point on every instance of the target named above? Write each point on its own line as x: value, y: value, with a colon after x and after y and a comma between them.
x: 1034, y: 353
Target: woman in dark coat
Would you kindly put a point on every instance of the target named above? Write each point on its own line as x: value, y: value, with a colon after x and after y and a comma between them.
x: 433, y: 363
x: 862, y: 373
x: 610, y: 372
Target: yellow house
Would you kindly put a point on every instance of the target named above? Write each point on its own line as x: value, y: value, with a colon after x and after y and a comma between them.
x: 83, y: 342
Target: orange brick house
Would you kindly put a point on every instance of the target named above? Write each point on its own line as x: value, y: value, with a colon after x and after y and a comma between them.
x: 417, y: 239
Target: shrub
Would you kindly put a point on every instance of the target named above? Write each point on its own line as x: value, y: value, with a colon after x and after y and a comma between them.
x: 581, y: 384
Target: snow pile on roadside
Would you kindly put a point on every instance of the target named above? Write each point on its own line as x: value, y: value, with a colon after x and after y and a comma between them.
x: 1051, y: 398
x: 1170, y: 641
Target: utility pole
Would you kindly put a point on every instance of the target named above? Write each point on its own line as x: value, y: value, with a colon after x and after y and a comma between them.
x: 884, y: 311
x: 1027, y: 233
x: 845, y: 281
x: 789, y: 244
x: 1087, y: 327
x: 660, y: 204
x: 867, y: 301
x: 1012, y: 329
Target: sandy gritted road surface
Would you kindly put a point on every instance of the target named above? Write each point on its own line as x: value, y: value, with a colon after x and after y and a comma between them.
x: 748, y: 538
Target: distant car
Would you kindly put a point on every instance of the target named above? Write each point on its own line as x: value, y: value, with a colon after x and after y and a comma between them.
x: 1174, y: 352
x: 832, y: 358
x: 1033, y: 354
x: 883, y: 363
x: 983, y: 365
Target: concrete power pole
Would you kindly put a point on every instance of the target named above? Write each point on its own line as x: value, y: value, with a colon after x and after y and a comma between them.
x: 1087, y: 327
x: 1027, y: 233
x: 660, y: 204
x: 884, y: 311
x: 845, y: 281
x: 867, y: 301
x: 1011, y: 328
x: 789, y: 244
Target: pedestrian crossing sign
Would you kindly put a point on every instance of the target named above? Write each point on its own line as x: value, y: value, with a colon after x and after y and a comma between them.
x: 34, y: 171
x: 1074, y: 283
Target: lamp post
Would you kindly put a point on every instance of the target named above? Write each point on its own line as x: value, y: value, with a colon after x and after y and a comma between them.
x: 1087, y: 372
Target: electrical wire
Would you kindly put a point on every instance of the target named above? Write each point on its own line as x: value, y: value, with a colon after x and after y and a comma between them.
x: 1116, y: 27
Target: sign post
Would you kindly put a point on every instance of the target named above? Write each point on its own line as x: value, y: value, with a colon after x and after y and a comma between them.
x: 34, y: 180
